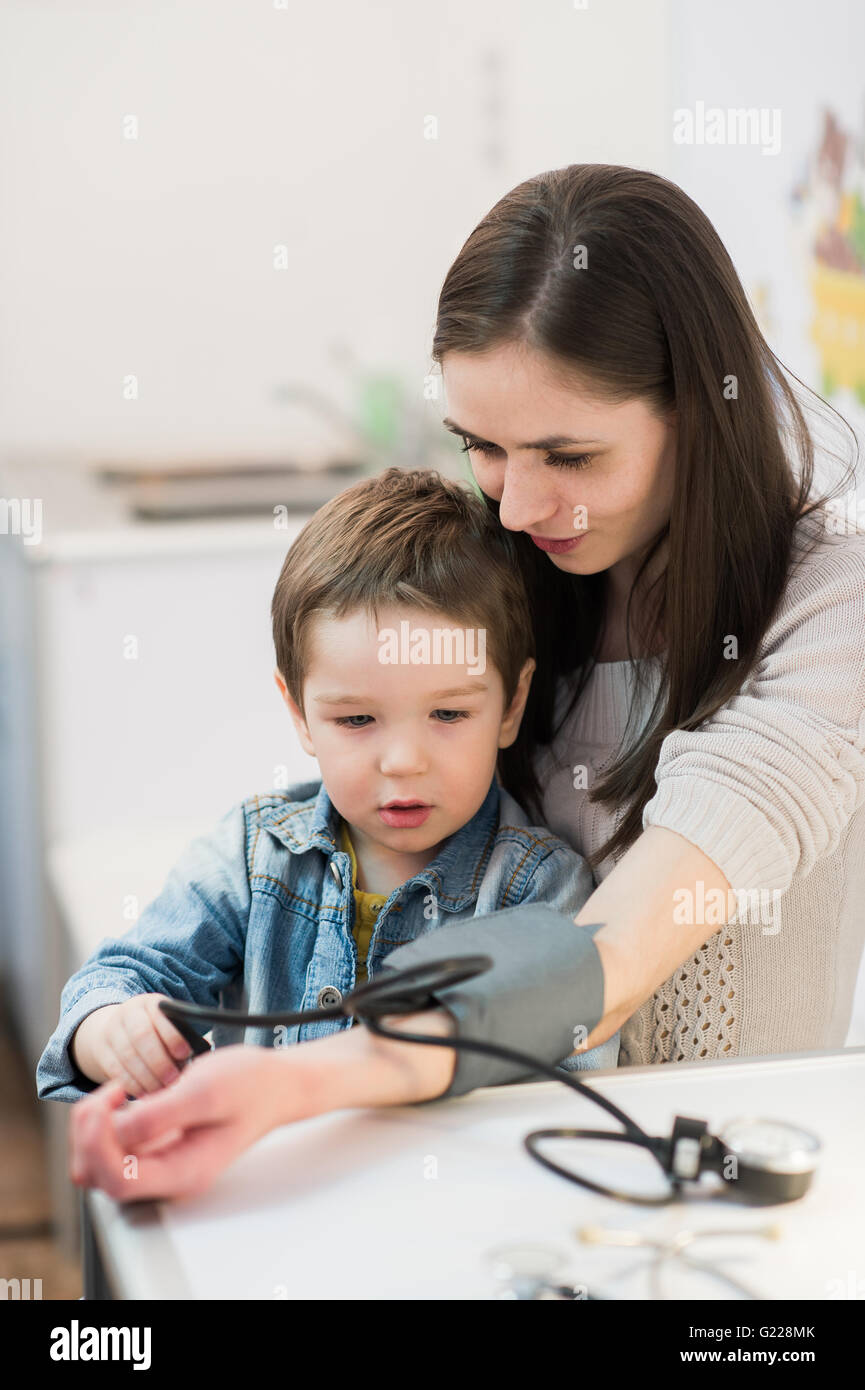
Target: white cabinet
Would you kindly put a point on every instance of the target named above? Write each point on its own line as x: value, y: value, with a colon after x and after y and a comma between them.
x: 136, y: 689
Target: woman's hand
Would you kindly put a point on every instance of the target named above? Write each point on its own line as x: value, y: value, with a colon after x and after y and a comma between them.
x: 174, y: 1142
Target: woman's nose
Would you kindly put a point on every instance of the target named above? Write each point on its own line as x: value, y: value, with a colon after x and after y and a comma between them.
x: 523, y: 505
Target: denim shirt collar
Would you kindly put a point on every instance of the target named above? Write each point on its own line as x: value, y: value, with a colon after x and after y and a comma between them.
x: 454, y: 874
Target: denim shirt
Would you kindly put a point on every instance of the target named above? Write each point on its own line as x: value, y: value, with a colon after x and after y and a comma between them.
x: 258, y: 915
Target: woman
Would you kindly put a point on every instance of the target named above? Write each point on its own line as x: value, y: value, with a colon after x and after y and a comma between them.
x: 696, y: 724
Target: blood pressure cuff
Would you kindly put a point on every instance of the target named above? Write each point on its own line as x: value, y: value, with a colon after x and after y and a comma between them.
x: 546, y: 979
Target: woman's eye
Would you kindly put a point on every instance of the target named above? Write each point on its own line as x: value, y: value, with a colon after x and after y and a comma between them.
x: 457, y: 713
x: 568, y: 460
x: 478, y: 446
x: 554, y: 460
x: 347, y: 718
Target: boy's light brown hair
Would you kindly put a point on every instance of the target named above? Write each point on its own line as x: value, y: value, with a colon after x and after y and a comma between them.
x: 408, y: 537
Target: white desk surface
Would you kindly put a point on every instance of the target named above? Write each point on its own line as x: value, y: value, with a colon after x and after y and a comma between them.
x: 402, y: 1203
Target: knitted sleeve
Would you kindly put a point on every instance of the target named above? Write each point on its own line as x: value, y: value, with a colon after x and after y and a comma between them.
x: 766, y: 786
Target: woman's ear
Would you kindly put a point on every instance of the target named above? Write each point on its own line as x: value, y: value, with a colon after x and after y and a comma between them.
x: 297, y: 718
x: 514, y: 713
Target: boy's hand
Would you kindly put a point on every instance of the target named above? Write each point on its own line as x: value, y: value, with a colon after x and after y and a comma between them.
x: 133, y: 1043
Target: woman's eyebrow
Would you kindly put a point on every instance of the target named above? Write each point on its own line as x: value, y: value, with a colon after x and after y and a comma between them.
x: 553, y: 441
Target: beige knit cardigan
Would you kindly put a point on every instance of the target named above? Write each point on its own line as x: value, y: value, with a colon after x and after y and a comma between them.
x: 772, y: 789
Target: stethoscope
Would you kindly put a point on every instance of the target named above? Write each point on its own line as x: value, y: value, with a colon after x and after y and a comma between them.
x: 759, y: 1161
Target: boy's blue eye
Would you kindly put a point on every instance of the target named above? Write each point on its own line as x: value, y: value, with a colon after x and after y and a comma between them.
x: 554, y: 460
x: 347, y: 718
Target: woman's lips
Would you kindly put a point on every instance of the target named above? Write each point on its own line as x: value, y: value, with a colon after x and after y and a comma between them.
x: 556, y: 547
x: 404, y: 817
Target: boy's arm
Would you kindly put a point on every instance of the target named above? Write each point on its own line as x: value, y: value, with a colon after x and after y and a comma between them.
x: 188, y: 944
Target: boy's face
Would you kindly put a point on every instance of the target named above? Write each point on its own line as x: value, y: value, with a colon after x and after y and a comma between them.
x: 426, y: 732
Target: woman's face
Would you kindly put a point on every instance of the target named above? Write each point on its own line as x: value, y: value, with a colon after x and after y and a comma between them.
x: 564, y: 465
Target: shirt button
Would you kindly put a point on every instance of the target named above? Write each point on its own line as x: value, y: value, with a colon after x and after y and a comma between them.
x: 327, y: 996
x: 335, y: 871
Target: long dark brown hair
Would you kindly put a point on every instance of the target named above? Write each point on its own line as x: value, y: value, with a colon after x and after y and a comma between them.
x: 659, y: 314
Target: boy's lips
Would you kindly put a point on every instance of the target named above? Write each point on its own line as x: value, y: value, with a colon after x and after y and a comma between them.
x: 404, y: 814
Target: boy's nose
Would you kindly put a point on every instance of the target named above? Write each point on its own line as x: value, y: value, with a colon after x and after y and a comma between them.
x: 402, y: 758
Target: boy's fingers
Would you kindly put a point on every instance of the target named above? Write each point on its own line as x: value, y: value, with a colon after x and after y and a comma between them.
x: 122, y: 1064
x: 144, y: 1030
x: 135, y: 1047
x: 175, y: 1044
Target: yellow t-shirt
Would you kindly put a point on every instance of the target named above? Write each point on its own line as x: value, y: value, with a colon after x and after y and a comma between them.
x: 366, y: 908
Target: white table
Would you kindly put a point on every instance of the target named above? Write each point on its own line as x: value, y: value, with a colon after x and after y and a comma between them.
x: 402, y: 1203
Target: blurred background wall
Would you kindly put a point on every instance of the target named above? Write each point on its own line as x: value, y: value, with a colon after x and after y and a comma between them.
x: 156, y: 154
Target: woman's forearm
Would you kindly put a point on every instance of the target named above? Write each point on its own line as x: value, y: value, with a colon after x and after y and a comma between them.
x: 356, y: 1068
x: 640, y: 944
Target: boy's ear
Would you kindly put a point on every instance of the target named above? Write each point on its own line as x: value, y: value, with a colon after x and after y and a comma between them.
x: 297, y: 718
x: 514, y: 714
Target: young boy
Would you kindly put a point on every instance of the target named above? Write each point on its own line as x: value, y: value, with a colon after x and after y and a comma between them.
x: 404, y: 654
